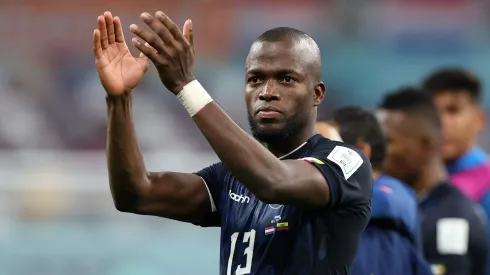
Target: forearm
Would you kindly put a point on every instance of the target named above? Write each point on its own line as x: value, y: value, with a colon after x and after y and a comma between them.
x: 127, y: 173
x: 250, y: 162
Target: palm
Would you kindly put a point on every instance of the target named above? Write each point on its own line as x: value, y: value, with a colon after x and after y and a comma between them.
x: 118, y: 70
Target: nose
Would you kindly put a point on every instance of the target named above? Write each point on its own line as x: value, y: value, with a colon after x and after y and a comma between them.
x: 270, y: 92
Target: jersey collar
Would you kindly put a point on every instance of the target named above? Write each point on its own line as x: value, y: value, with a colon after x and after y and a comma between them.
x: 301, y: 150
x: 294, y: 151
x: 440, y: 191
x: 473, y: 157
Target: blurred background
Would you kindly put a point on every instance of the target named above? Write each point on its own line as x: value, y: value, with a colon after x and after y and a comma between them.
x: 56, y: 210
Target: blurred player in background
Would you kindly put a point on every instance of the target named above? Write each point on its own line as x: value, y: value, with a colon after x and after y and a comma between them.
x: 452, y: 227
x: 288, y: 200
x: 457, y: 94
x: 327, y: 130
x: 390, y: 243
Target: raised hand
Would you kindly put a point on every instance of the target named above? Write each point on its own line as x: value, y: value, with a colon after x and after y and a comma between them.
x: 119, y: 71
x: 168, y: 48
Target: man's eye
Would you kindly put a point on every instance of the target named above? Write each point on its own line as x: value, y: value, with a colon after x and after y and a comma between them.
x: 253, y: 79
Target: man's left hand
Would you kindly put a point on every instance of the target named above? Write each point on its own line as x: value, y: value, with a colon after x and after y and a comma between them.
x: 170, y: 50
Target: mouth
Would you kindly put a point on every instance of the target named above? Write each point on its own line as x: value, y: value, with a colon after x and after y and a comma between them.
x: 268, y: 112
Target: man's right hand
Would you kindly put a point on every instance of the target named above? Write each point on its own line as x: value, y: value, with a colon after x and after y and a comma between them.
x: 118, y: 70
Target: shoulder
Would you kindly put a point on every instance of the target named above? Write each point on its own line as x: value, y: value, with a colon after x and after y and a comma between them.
x: 214, y: 172
x: 393, y: 199
x: 391, y: 188
x: 348, y: 158
x: 466, y: 207
x: 326, y: 146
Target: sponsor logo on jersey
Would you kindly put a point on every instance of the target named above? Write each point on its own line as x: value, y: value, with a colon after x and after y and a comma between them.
x: 269, y: 230
x: 239, y: 198
x: 386, y: 189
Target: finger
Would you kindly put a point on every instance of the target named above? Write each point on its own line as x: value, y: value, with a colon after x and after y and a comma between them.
x: 97, y: 47
x: 149, y: 38
x: 147, y: 51
x: 119, y: 35
x: 188, y: 34
x: 103, y: 32
x: 109, y: 23
x: 143, y: 59
x: 142, y: 55
x: 159, y: 28
x: 171, y: 26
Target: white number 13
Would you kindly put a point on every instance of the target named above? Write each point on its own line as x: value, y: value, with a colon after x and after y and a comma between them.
x: 248, y: 237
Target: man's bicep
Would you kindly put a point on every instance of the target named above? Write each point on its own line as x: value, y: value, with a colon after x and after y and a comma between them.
x: 173, y: 195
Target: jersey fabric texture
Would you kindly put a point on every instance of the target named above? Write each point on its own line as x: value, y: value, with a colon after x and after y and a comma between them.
x: 454, y: 232
x: 259, y: 238
x: 471, y: 174
x: 391, y: 242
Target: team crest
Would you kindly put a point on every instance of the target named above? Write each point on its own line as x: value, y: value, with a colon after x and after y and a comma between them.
x: 276, y: 219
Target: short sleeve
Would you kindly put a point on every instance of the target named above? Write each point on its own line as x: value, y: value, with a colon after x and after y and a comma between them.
x: 212, y: 177
x: 348, y: 174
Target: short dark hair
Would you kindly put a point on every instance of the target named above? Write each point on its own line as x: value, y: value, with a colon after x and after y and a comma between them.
x: 281, y: 33
x: 416, y: 104
x: 451, y: 80
x: 312, y: 54
x: 358, y: 125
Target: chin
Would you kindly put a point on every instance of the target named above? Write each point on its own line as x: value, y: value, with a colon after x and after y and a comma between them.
x: 269, y: 126
x: 451, y: 153
x: 274, y: 130
x: 269, y: 133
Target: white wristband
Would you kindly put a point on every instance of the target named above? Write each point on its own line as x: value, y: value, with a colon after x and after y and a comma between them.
x: 194, y: 97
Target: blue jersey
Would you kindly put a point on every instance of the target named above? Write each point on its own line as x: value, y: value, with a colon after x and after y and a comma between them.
x: 390, y: 243
x: 455, y: 239
x: 259, y: 238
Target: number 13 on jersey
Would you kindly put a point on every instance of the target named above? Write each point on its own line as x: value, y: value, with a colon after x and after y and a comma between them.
x: 248, y: 237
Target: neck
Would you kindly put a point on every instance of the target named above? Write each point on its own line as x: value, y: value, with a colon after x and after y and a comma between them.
x: 431, y: 176
x: 376, y: 174
x: 283, y: 148
x: 469, y: 147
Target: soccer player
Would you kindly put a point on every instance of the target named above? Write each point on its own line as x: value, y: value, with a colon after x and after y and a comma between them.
x: 457, y: 94
x: 390, y: 243
x: 288, y: 201
x: 453, y: 230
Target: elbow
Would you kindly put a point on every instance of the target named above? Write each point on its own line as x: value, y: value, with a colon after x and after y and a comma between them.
x: 125, y: 199
x: 126, y: 205
x: 268, y: 196
x: 271, y: 191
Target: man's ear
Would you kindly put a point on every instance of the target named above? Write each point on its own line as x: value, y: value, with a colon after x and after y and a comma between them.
x: 319, y: 93
x: 365, y: 148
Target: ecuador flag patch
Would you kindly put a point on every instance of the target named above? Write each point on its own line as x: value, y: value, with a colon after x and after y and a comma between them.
x: 311, y: 160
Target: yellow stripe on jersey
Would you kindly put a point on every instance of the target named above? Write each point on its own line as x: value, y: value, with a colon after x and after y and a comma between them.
x: 282, y: 224
x: 315, y: 160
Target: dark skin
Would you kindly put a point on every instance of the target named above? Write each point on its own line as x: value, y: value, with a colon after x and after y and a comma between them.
x: 463, y: 120
x: 330, y: 130
x: 413, y: 150
x: 183, y: 196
